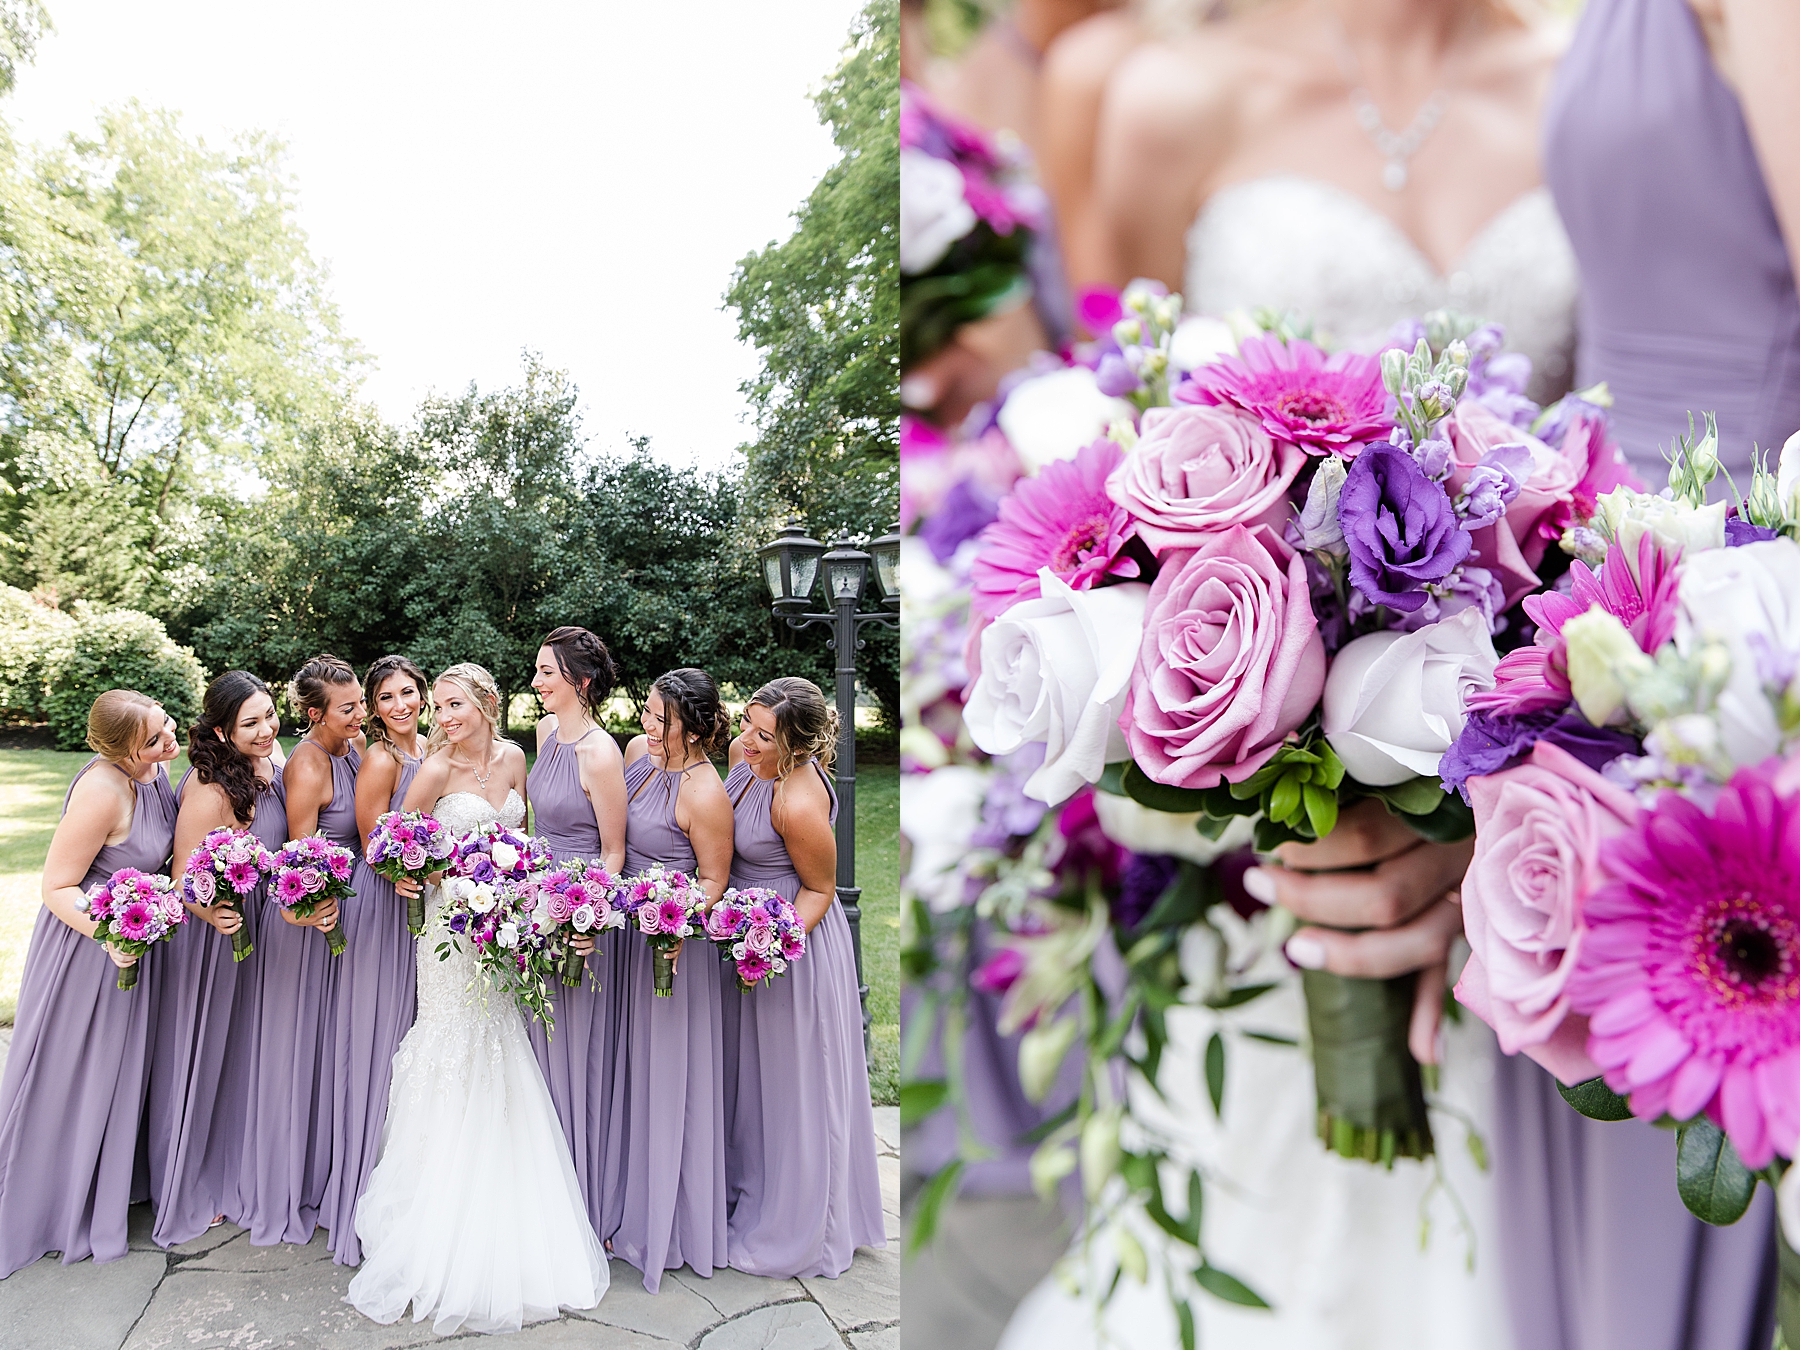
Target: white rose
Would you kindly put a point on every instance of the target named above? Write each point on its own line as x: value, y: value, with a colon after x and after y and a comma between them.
x: 1394, y: 702
x: 1053, y: 416
x: 1142, y: 830
x: 505, y: 856
x: 1198, y: 340
x: 1726, y: 597
x: 541, y: 918
x: 933, y: 212
x: 507, y: 935
x: 481, y: 897
x: 1787, y: 478
x: 1057, y: 670
x: 459, y: 888
x: 938, y: 813
x: 582, y: 919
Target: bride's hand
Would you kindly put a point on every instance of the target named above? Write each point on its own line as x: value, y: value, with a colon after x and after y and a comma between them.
x: 1373, y: 873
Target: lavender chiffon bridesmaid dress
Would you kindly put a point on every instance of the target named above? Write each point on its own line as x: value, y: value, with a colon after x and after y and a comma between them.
x: 1687, y: 302
x: 287, y: 1128
x: 805, y: 1189
x: 72, y: 1097
x: 664, y: 1182
x: 200, y: 1072
x: 578, y: 1058
x: 377, y: 983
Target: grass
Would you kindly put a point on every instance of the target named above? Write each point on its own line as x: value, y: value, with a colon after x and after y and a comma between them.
x: 32, y: 783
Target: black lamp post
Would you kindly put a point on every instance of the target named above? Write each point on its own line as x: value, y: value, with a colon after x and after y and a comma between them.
x: 793, y: 565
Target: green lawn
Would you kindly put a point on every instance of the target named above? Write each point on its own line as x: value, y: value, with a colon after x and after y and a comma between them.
x: 32, y: 783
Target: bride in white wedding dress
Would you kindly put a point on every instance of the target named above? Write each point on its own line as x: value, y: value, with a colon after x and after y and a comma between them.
x: 473, y: 1214
x: 1249, y: 165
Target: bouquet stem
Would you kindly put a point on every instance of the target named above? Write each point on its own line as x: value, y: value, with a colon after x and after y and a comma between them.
x: 1787, y: 1290
x: 574, y: 964
x: 241, y: 946
x: 663, y: 968
x: 1371, y: 1099
x: 335, y: 940
x: 128, y: 976
x: 415, y: 913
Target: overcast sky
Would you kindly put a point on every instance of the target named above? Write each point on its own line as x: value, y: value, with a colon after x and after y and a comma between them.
x: 574, y: 176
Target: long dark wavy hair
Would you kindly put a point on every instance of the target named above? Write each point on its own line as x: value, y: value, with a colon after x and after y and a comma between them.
x: 373, y: 727
x: 217, y: 761
x: 693, y: 698
x: 582, y: 656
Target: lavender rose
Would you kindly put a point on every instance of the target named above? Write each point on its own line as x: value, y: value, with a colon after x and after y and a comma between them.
x: 1400, y: 527
x: 1198, y: 471
x: 1231, y: 660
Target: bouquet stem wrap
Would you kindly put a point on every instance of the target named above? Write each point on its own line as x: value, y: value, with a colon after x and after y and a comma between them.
x: 335, y: 941
x: 415, y: 913
x: 241, y: 945
x: 663, y: 970
x: 128, y: 975
x: 1787, y: 1291
x: 574, y: 963
x: 1371, y: 1098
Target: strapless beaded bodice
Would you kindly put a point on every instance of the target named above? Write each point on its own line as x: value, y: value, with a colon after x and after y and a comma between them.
x: 1305, y: 245
x: 447, y: 995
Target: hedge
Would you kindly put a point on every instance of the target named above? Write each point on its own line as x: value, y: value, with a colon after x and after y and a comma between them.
x: 31, y: 636
x: 119, y: 649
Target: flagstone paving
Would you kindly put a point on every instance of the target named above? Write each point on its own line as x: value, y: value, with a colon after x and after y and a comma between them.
x: 220, y: 1293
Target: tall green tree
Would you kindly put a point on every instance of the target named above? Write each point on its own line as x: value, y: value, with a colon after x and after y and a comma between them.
x: 822, y: 309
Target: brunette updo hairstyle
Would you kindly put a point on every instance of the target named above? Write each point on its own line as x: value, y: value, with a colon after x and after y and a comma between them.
x: 312, y: 684
x: 806, y: 726
x: 215, y: 759
x: 582, y: 656
x: 692, y: 696
x: 373, y: 727
x: 118, y: 722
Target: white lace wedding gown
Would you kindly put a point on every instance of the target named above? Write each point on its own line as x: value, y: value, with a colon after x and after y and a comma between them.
x: 473, y: 1214
x: 1333, y: 1245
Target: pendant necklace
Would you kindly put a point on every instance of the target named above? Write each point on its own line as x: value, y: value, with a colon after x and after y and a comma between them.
x: 480, y: 777
x: 1394, y: 147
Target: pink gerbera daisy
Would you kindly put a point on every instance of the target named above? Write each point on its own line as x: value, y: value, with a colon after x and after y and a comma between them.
x: 1691, y: 970
x: 241, y: 875
x: 1324, y: 404
x: 136, y: 920
x: 672, y: 914
x: 1537, y: 677
x: 750, y: 969
x: 290, y: 888
x: 1064, y: 520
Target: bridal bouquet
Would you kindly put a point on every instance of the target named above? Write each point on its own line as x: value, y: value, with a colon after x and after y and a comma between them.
x: 227, y: 866
x: 133, y: 910
x: 309, y: 872
x: 579, y: 897
x: 760, y: 931
x: 1633, y: 907
x: 508, y: 926
x: 968, y: 214
x: 495, y: 853
x: 667, y: 908
x: 1270, y: 592
x: 409, y: 846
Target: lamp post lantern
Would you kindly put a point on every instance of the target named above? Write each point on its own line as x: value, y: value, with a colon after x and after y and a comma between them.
x: 793, y: 565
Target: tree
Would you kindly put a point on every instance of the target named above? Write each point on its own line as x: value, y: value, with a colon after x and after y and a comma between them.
x: 822, y: 309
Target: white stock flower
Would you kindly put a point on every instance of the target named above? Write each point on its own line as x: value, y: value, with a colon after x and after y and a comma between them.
x: 1628, y: 516
x: 938, y: 814
x: 1604, y: 662
x: 1394, y: 702
x: 1142, y: 830
x: 1056, y: 670
x: 1730, y: 597
x: 933, y: 211
x: 1053, y: 416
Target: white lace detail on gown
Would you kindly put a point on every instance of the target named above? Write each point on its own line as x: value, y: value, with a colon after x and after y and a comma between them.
x: 473, y: 1213
x: 1305, y: 245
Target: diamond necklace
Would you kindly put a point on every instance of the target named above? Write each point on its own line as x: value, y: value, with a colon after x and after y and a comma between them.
x: 1394, y: 147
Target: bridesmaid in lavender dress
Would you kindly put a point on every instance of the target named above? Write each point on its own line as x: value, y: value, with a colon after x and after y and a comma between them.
x: 377, y: 974
x: 200, y: 1075
x: 805, y: 1190
x: 287, y: 1130
x: 1688, y: 302
x: 73, y: 1092
x: 664, y: 1188
x: 577, y: 790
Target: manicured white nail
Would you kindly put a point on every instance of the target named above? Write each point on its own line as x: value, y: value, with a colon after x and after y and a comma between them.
x: 1306, y: 952
x: 1260, y: 885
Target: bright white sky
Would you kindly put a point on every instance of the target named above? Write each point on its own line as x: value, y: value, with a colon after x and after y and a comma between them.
x: 574, y: 176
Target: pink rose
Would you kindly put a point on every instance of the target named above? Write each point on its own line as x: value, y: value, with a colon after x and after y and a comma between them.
x: 1198, y: 471
x: 647, y: 919
x: 759, y: 938
x: 1538, y: 831
x: 1511, y: 553
x: 1230, y: 662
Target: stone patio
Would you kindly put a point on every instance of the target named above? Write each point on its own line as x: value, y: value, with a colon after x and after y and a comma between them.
x: 219, y: 1291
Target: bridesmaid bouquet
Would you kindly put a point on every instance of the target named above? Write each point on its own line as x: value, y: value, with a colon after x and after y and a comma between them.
x: 1633, y: 906
x: 510, y: 934
x: 309, y: 872
x: 667, y: 908
x: 133, y: 910
x: 759, y: 931
x: 1269, y: 592
x: 224, y: 869
x: 409, y: 846
x: 583, y: 896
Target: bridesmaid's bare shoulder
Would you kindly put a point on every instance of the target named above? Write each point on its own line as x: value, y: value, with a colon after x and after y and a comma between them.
x: 546, y: 725
x: 638, y: 747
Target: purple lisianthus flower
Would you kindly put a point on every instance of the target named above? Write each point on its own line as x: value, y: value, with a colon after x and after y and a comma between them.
x: 1400, y: 527
x: 966, y: 510
x: 1141, y: 885
x: 482, y: 869
x: 458, y: 922
x: 1491, y: 742
x: 1739, y: 532
x: 1115, y: 377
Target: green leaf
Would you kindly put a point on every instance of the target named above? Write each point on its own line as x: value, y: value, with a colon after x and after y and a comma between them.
x: 1146, y: 791
x: 1595, y: 1100
x: 1227, y: 1287
x: 1182, y: 904
x: 1139, y: 1171
x: 1213, y: 827
x: 1111, y: 778
x: 1196, y: 1205
x: 1331, y: 768
x: 1215, y: 1073
x: 1271, y: 1038
x: 929, y: 1205
x: 1042, y: 1131
x: 1453, y: 820
x: 1272, y: 834
x: 1184, y: 1319
x: 1713, y: 1181
x: 1321, y: 809
x: 1414, y: 797
x: 1242, y: 994
x: 1284, y: 800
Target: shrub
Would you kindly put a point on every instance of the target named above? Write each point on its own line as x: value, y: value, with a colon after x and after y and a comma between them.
x: 120, y: 649
x: 30, y: 637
